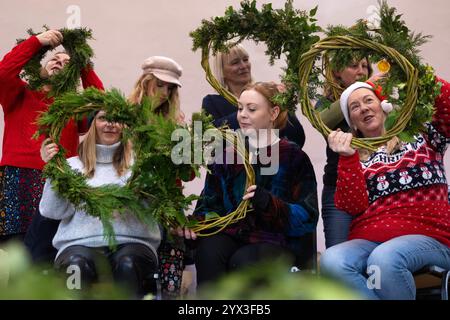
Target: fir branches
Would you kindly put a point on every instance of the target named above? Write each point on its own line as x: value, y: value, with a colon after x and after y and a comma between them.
x: 152, y: 193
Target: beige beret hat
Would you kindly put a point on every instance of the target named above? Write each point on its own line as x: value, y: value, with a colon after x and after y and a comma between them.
x: 163, y: 68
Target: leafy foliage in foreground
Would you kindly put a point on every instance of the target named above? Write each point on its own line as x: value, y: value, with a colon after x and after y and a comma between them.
x: 287, y: 31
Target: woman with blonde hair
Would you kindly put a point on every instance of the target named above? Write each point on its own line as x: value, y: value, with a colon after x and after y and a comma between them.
x: 160, y: 81
x: 233, y: 71
x: 103, y: 159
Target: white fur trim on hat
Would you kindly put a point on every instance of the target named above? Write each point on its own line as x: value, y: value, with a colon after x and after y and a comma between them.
x: 386, y: 106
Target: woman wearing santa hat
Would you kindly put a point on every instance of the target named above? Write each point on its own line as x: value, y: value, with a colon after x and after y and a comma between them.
x: 397, y: 231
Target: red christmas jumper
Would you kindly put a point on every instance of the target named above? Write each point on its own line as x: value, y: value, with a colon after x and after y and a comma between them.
x: 391, y: 195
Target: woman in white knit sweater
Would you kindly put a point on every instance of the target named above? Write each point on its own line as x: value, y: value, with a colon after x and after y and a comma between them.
x: 103, y: 159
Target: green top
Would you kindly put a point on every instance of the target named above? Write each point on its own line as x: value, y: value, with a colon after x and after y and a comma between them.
x: 332, y: 116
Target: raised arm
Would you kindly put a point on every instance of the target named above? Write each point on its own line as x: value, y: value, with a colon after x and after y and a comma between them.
x: 332, y: 116
x: 11, y: 86
x: 89, y: 79
x: 211, y: 198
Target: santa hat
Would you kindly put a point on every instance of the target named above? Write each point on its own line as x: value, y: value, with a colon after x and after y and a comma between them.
x: 385, y: 105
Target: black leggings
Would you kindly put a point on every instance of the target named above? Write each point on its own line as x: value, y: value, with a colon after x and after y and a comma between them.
x: 38, y: 239
x: 132, y: 265
x: 219, y: 254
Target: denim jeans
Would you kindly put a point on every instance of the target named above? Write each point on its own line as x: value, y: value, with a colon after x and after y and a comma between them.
x: 384, y: 270
x: 336, y: 223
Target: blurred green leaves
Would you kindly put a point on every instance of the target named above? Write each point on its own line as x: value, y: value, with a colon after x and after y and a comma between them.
x: 76, y: 46
x: 270, y: 280
x: 273, y: 280
x: 21, y: 280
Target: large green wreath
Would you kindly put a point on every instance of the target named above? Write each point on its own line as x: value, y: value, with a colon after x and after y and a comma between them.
x: 414, y: 82
x: 76, y: 46
x: 284, y: 31
x: 151, y: 193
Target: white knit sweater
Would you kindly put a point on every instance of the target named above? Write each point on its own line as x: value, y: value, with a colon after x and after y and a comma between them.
x: 78, y: 228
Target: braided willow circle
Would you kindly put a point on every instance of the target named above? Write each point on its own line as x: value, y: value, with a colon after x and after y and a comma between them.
x: 220, y: 223
x: 307, y: 61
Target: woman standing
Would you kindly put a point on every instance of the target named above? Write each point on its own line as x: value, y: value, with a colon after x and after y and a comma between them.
x: 21, y: 166
x: 160, y: 81
x: 337, y: 222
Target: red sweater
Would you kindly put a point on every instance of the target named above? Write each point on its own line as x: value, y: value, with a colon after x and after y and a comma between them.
x: 21, y: 107
x: 402, y: 193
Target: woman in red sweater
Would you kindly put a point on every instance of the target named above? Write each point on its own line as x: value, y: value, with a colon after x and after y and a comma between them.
x: 160, y: 81
x: 21, y: 166
x: 397, y: 196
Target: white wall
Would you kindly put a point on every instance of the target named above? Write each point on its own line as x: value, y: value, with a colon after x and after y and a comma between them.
x: 127, y: 32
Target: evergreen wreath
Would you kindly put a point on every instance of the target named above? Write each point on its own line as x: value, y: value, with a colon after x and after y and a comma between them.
x: 285, y: 31
x: 410, y: 85
x: 151, y: 193
x: 76, y: 46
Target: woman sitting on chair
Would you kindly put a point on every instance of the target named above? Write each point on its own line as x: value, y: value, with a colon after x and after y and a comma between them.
x: 397, y: 196
x: 80, y: 240
x: 284, y: 198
